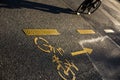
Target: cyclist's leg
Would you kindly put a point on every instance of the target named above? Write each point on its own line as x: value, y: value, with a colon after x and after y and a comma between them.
x: 84, y: 6
x: 94, y: 3
x: 89, y: 8
x: 94, y: 6
x: 81, y: 8
x: 89, y: 5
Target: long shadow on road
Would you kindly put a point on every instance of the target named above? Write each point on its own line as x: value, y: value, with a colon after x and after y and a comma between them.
x: 12, y: 4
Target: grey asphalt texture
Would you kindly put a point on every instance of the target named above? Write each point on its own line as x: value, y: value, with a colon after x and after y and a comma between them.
x: 20, y: 59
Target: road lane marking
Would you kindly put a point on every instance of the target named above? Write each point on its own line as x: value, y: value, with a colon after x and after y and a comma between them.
x: 86, y: 31
x: 109, y: 31
x: 62, y: 65
x: 31, y: 32
x: 84, y: 51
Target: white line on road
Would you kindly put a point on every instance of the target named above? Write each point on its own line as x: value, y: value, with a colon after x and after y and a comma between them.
x: 109, y: 30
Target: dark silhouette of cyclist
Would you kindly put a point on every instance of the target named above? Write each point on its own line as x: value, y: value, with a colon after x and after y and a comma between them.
x: 87, y: 3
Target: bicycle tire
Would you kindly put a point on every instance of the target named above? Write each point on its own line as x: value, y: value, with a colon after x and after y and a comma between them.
x: 97, y: 6
x: 79, y: 10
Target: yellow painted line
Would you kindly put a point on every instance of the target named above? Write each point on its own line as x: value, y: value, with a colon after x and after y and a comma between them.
x: 84, y: 51
x: 86, y: 31
x: 32, y: 32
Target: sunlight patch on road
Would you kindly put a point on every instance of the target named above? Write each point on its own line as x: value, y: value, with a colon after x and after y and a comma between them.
x: 93, y: 40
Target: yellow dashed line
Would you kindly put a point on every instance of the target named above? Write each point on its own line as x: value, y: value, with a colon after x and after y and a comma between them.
x: 86, y: 31
x: 32, y: 32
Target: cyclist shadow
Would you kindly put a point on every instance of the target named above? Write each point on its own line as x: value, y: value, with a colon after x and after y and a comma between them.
x: 12, y: 4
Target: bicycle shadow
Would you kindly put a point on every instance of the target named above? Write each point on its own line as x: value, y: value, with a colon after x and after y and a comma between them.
x: 13, y: 4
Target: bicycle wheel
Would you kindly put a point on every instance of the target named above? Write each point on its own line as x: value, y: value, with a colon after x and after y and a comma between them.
x: 92, y: 9
x: 81, y: 8
x: 85, y: 9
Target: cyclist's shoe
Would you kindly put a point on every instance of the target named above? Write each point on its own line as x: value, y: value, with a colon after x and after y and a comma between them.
x: 78, y: 13
x: 94, y: 5
x: 89, y: 13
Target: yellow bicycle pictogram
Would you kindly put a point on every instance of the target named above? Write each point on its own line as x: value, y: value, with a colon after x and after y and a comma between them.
x: 64, y: 68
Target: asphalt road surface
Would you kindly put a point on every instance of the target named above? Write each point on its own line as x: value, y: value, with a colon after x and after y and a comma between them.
x: 45, y: 40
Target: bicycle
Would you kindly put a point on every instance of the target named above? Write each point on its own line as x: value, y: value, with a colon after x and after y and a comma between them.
x: 88, y: 7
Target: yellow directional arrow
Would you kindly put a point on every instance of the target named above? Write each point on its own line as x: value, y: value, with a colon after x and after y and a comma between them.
x: 85, y: 50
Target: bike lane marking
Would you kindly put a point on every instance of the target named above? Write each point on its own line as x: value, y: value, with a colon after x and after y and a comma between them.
x: 84, y: 51
x: 57, y: 52
x: 33, y: 32
x: 49, y: 48
x: 86, y: 31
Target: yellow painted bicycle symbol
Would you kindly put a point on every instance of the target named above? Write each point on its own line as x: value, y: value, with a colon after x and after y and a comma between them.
x: 64, y: 68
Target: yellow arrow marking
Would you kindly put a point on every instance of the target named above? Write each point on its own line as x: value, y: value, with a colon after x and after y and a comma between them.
x: 85, y: 50
x: 41, y: 32
x: 86, y: 31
